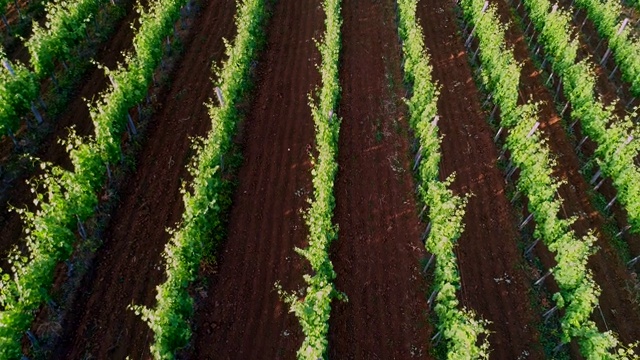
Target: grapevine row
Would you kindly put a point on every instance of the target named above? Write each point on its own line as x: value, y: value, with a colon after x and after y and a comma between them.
x: 614, y: 136
x: 578, y: 293
x: 68, y: 198
x: 459, y: 327
x: 66, y: 25
x: 314, y: 309
x: 625, y: 48
x: 201, y: 224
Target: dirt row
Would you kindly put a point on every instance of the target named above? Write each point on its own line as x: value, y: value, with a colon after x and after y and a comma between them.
x: 618, y: 307
x: 378, y: 250
x: 128, y: 265
x: 241, y: 315
x: 493, y: 280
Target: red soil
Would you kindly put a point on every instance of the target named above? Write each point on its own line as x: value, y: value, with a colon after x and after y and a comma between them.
x: 493, y: 281
x: 619, y: 310
x: 129, y: 265
x: 242, y: 316
x: 18, y: 193
x: 378, y: 250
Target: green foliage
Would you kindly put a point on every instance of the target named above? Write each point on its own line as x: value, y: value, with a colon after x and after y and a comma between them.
x: 314, y: 309
x: 616, y: 138
x: 204, y: 205
x: 66, y: 25
x: 459, y: 327
x: 578, y: 293
x: 607, y: 17
x: 69, y: 197
x: 17, y: 91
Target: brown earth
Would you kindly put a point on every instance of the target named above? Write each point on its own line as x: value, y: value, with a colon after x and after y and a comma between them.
x: 18, y: 193
x: 129, y: 266
x: 378, y: 251
x: 493, y: 280
x: 619, y: 310
x: 242, y: 316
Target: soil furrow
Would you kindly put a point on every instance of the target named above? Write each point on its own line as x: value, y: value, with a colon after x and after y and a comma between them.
x: 493, y: 280
x: 129, y: 266
x: 378, y: 251
x: 620, y: 313
x: 242, y: 316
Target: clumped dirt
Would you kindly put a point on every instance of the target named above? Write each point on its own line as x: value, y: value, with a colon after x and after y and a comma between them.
x: 129, y: 266
x: 493, y: 280
x: 242, y: 316
x: 619, y: 311
x: 378, y: 251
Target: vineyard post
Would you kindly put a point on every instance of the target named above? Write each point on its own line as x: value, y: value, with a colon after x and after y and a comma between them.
x: 35, y: 111
x: 530, y: 248
x: 583, y: 22
x: 539, y: 281
x: 623, y: 230
x: 626, y: 142
x: 599, y: 184
x: 608, y: 52
x: 558, y: 90
x: 595, y: 177
x: 495, y: 138
x: 549, y: 313
x: 431, y: 298
x: 81, y: 229
x: 526, y: 221
x: 431, y: 259
x: 611, y: 203
x: 13, y: 137
x: 424, y: 208
x: 426, y: 232
x: 484, y: 8
x: 15, y: 2
x: 131, y: 125
x: 108, y: 172
x: 533, y: 129
x: 582, y: 142
x: 631, y: 101
x: 6, y: 23
x: 613, y: 72
x: 564, y: 109
x: 417, y: 159
x: 219, y: 95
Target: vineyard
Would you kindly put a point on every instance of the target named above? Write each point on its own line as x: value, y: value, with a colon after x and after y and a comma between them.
x: 322, y: 179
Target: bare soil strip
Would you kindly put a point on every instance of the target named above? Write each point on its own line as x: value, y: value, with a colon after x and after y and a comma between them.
x: 617, y: 304
x: 378, y: 251
x: 128, y: 266
x: 242, y: 316
x: 493, y: 281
